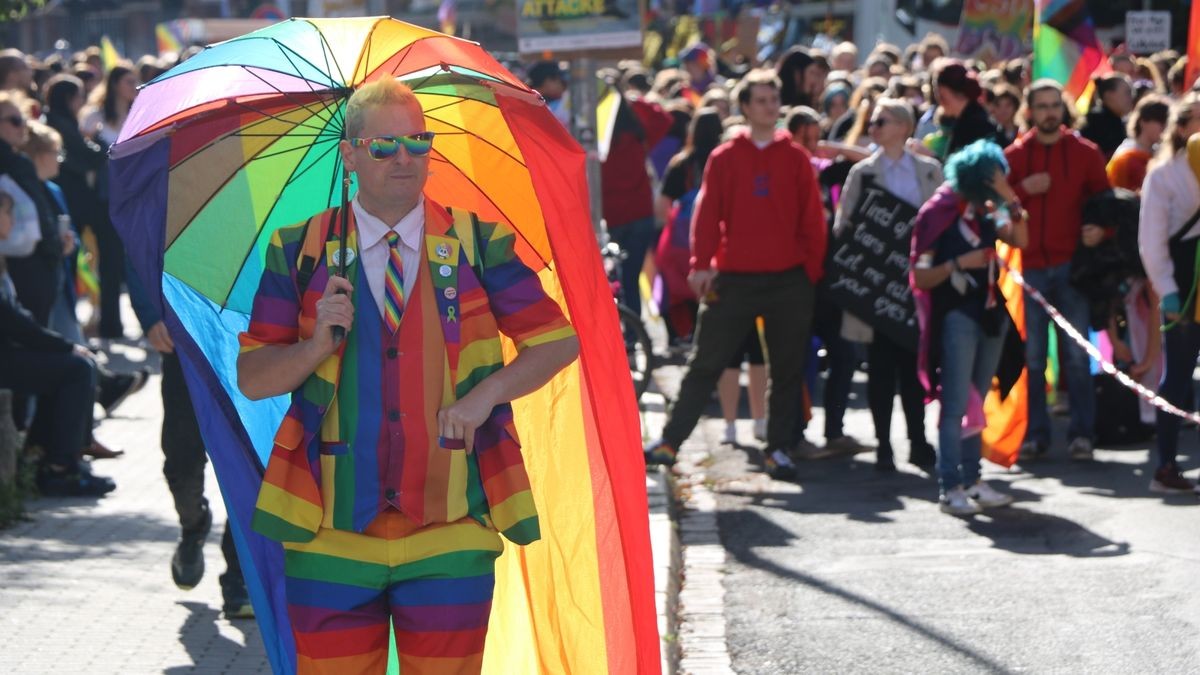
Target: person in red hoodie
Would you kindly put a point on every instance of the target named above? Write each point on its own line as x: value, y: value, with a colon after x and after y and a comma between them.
x: 1054, y: 171
x: 626, y: 197
x: 758, y: 246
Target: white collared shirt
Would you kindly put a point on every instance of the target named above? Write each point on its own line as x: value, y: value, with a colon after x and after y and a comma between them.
x: 900, y: 178
x: 373, y: 247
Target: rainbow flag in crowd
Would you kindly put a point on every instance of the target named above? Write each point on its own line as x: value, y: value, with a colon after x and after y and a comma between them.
x: 109, y: 56
x: 168, y: 40
x: 1065, y: 47
x: 1008, y: 417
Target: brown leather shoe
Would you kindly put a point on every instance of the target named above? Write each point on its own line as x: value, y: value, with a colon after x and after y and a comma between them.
x: 98, y: 451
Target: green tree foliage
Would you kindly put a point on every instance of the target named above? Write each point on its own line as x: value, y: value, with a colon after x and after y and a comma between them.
x: 15, y: 9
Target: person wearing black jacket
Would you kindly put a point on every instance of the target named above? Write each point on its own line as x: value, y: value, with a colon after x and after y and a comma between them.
x: 36, y: 276
x: 82, y: 159
x: 963, y: 118
x: 1105, y: 122
x: 35, y: 361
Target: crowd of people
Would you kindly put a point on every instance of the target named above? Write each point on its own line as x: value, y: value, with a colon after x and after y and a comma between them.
x: 726, y: 183
x: 742, y: 176
x: 58, y: 117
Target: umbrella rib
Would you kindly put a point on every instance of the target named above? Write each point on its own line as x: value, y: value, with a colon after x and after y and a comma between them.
x: 284, y: 152
x: 320, y: 130
x: 297, y: 174
x: 288, y: 95
x: 266, y: 218
x: 482, y: 140
x: 327, y: 52
x: 499, y: 210
x: 337, y: 110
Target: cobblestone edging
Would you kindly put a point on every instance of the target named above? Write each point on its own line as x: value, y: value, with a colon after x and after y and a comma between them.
x: 701, y: 613
x: 668, y: 561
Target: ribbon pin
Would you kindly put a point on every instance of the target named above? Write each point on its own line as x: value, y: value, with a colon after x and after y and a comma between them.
x: 450, y: 314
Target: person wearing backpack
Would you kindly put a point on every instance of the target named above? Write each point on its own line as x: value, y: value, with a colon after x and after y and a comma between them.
x: 1167, y: 237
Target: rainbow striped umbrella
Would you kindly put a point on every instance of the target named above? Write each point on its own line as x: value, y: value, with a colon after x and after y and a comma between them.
x: 242, y: 139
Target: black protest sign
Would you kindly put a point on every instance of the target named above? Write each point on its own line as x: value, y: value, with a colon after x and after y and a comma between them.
x: 868, y: 271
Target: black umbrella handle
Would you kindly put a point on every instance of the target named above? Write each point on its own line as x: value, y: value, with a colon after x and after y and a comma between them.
x: 339, y: 332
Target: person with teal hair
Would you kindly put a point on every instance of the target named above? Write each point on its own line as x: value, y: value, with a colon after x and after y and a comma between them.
x: 962, y: 314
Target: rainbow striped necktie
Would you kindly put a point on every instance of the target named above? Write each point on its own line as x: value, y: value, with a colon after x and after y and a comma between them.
x: 393, y: 295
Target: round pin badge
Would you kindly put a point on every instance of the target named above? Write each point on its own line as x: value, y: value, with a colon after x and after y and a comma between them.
x: 450, y: 293
x: 444, y: 270
x: 443, y: 251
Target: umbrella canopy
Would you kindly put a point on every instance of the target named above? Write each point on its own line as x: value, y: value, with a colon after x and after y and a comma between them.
x: 242, y: 139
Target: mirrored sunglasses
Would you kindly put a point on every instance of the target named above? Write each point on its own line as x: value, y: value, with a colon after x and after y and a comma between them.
x: 386, y: 147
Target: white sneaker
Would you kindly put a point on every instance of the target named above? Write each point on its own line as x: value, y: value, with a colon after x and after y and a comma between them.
x: 987, y: 497
x: 760, y: 430
x: 955, y: 502
x: 730, y: 433
x: 1080, y: 449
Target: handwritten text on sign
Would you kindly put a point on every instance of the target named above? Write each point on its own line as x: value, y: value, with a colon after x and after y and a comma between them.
x: 868, y: 274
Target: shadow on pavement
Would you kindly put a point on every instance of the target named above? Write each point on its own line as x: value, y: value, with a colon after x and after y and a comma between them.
x: 1114, y: 479
x: 768, y: 534
x: 1028, y: 532
x: 854, y: 489
x: 67, y: 530
x: 204, y: 643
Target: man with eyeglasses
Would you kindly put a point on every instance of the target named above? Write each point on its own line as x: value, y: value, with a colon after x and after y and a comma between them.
x: 397, y: 468
x: 1053, y: 171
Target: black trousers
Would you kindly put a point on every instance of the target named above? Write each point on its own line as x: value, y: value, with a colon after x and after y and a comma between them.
x: 112, y: 273
x: 785, y: 301
x: 184, y: 463
x: 37, y: 279
x: 889, y: 363
x: 65, y: 386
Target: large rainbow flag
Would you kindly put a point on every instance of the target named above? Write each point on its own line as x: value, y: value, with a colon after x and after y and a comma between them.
x: 1065, y: 47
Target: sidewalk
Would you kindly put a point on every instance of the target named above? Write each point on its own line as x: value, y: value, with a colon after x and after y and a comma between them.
x: 86, y: 586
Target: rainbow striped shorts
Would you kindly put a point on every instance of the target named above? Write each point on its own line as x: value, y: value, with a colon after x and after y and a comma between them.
x: 434, y: 584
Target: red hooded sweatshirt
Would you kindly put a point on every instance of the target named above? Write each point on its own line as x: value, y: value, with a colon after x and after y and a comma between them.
x: 759, y: 210
x: 1077, y: 171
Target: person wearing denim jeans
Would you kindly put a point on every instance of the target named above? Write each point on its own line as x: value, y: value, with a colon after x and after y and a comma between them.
x: 962, y: 312
x: 1054, y: 172
x: 635, y: 239
x: 1055, y: 284
x: 969, y: 359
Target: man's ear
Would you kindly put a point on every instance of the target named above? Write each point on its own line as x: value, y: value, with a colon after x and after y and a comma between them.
x: 348, y: 156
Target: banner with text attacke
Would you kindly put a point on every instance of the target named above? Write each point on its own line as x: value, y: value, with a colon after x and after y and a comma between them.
x: 578, y: 25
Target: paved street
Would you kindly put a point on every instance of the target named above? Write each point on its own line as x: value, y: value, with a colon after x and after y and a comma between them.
x: 849, y: 571
x: 85, y: 584
x: 852, y: 571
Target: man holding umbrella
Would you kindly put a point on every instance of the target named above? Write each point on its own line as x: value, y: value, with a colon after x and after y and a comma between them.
x: 397, y: 467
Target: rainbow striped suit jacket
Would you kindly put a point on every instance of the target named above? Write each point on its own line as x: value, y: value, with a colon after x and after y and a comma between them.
x: 301, y: 475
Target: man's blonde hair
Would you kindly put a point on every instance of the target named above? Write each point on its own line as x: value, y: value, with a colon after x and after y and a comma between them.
x: 42, y: 139
x: 387, y: 91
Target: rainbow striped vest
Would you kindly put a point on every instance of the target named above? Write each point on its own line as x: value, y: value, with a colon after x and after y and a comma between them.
x: 361, y: 432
